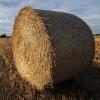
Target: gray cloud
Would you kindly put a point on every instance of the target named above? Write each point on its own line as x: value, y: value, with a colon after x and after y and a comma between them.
x: 11, y: 3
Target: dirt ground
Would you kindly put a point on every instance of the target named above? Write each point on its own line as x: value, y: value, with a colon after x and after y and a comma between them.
x: 85, y: 86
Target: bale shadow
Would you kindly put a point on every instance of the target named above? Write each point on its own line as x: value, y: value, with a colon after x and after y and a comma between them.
x: 90, y: 79
x: 85, y: 85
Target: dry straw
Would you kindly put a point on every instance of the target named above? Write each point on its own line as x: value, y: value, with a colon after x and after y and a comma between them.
x: 5, y: 52
x: 50, y: 47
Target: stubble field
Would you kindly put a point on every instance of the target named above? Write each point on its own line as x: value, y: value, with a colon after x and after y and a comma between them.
x: 85, y: 86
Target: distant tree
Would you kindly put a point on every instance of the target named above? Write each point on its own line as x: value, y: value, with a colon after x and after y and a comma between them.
x: 3, y: 36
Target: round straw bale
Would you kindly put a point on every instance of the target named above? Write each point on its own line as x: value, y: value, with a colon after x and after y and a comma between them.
x: 50, y: 47
x: 5, y: 52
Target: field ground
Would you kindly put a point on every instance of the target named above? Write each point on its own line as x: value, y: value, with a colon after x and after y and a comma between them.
x: 83, y: 87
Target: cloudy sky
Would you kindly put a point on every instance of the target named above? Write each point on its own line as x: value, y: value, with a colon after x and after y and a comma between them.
x: 88, y: 10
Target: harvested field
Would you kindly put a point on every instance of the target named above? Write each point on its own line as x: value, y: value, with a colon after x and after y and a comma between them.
x: 5, y: 52
x: 97, y: 50
x: 13, y: 87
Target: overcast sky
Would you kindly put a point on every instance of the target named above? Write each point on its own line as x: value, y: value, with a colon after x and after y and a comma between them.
x: 88, y: 10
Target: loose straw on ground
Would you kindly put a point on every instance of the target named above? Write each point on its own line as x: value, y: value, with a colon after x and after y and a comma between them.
x: 5, y: 52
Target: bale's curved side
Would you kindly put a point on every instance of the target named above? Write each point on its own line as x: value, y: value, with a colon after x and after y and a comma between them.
x: 50, y: 47
x: 73, y: 43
